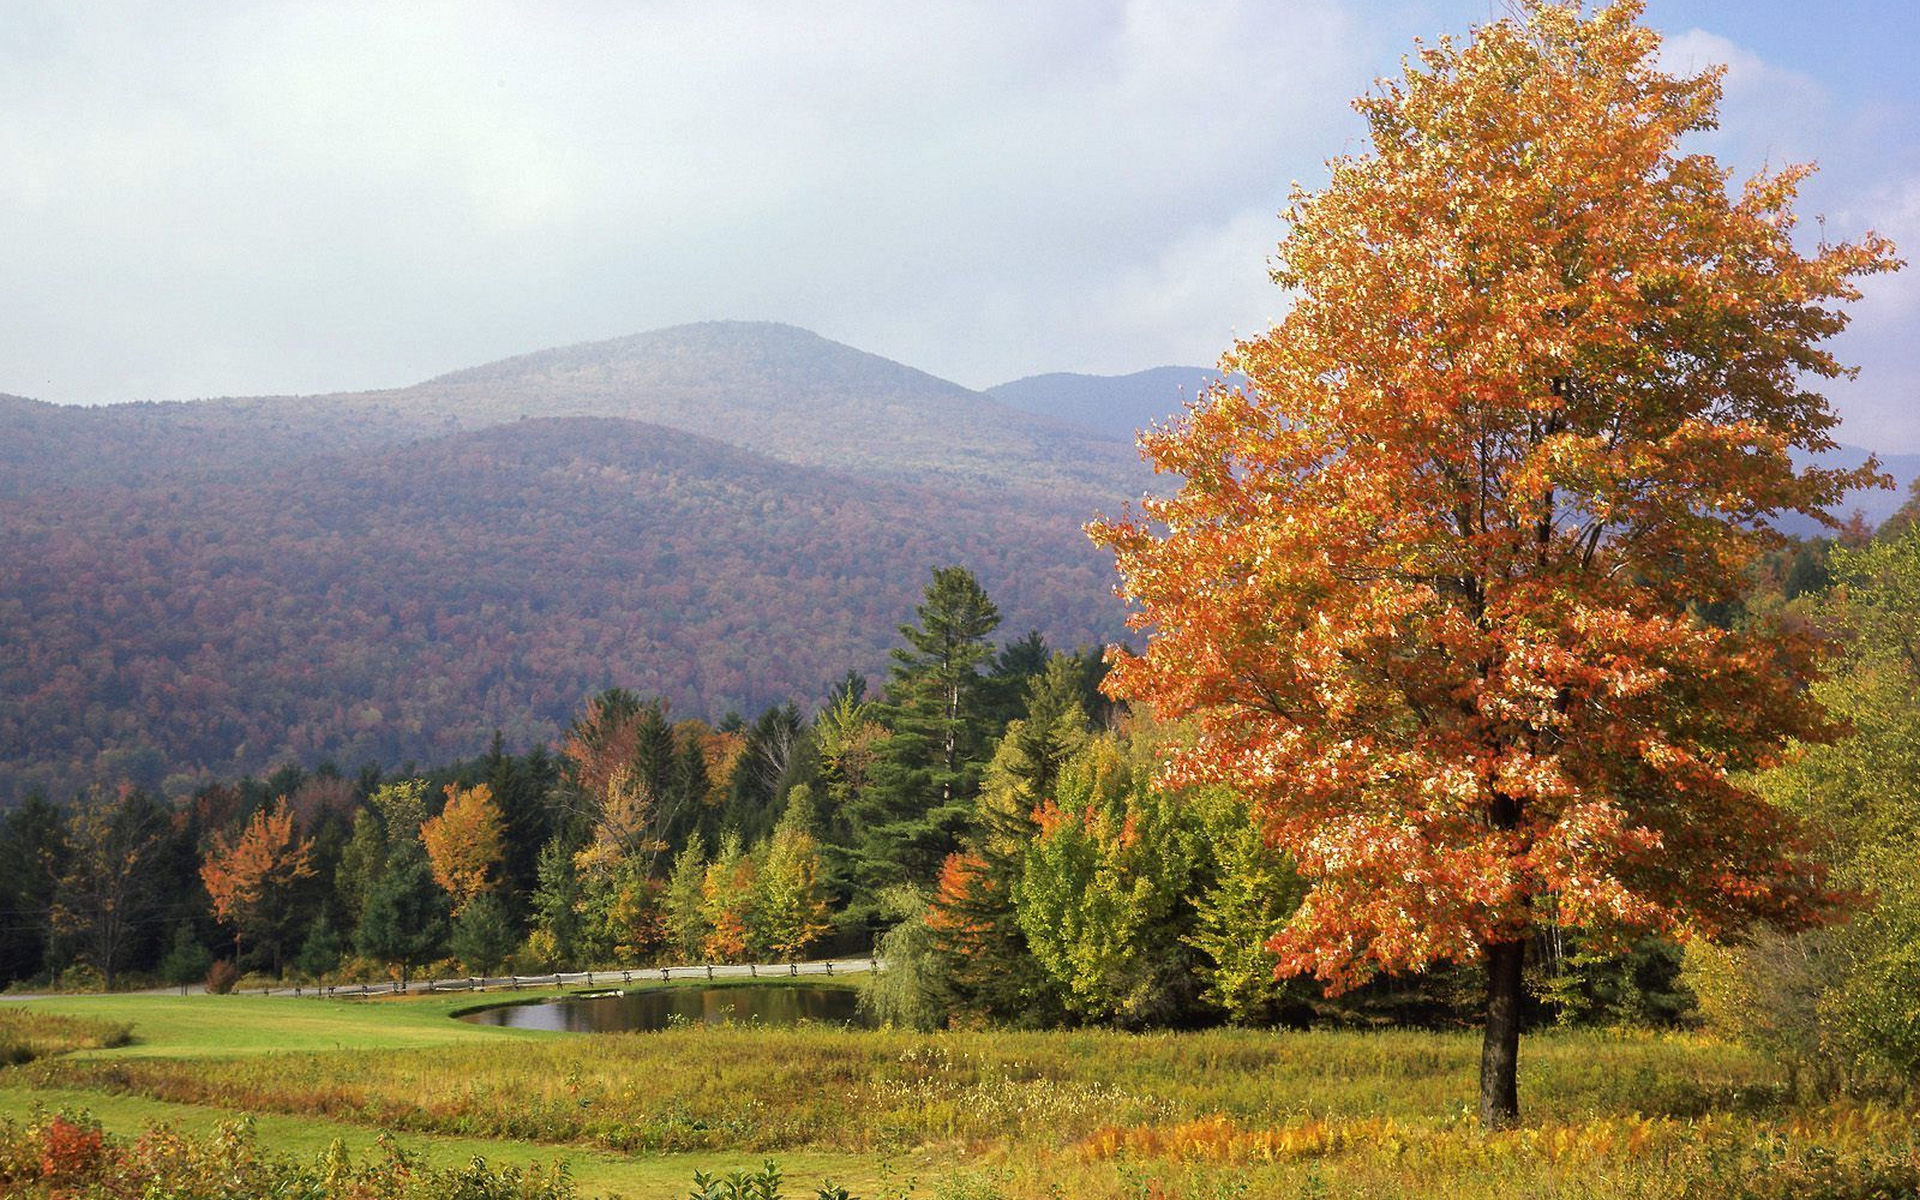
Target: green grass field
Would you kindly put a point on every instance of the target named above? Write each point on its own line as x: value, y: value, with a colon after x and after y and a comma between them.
x: 205, y: 1030
x: 972, y: 1115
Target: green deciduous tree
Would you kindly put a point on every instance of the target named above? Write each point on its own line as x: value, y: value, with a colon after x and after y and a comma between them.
x: 1253, y: 891
x: 685, y: 903
x: 556, y: 937
x: 105, y: 897
x: 730, y: 896
x: 1842, y: 1003
x: 1104, y: 895
x: 792, y: 906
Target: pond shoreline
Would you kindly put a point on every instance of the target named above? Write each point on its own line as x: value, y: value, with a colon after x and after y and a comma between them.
x: 653, y: 1007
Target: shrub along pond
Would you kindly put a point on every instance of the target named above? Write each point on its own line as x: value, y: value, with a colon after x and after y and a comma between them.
x: 661, y: 1008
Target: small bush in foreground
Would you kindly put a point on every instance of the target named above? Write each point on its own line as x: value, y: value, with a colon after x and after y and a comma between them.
x: 763, y: 1184
x: 68, y: 1156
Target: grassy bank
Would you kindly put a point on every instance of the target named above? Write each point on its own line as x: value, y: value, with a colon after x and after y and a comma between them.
x: 982, y: 1115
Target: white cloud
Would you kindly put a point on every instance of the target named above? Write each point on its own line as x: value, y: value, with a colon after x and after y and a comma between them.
x: 1772, y: 116
x: 238, y: 196
x: 1769, y: 114
x: 232, y: 198
x: 1893, y: 211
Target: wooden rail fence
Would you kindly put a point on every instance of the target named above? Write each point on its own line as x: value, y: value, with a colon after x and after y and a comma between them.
x: 623, y: 977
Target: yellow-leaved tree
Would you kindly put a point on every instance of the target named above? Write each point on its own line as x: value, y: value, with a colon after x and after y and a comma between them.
x: 465, y: 843
x: 250, y: 878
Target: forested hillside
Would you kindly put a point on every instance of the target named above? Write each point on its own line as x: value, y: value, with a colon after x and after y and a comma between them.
x: 201, y: 590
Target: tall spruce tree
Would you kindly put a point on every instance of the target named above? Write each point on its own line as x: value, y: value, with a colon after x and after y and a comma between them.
x: 778, y: 757
x: 938, y: 727
x: 520, y: 787
x: 1008, y: 675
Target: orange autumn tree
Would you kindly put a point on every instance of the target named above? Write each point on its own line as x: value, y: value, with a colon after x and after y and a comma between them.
x: 250, y: 879
x: 1431, y: 583
x: 465, y: 843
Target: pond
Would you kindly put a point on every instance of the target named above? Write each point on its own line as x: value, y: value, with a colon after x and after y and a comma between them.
x: 660, y: 1008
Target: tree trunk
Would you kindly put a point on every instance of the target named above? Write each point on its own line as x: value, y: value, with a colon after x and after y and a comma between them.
x: 1500, y: 1051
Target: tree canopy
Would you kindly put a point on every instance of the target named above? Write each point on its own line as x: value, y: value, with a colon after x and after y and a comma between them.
x: 1430, y: 583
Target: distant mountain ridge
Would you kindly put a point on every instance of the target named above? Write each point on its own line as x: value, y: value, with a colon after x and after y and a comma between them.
x: 771, y: 388
x: 728, y: 514
x: 1874, y: 504
x: 1116, y: 405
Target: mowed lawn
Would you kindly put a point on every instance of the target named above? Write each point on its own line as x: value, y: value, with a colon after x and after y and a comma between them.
x: 979, y: 1115
x: 204, y: 1030
x: 217, y: 1026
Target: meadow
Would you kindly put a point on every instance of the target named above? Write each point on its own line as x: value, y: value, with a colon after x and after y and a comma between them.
x: 963, y: 1115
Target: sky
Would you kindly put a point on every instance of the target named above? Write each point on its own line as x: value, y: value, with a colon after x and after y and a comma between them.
x: 233, y: 197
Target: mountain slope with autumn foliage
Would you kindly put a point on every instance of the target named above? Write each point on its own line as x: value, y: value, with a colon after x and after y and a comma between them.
x: 404, y: 604
x: 730, y: 514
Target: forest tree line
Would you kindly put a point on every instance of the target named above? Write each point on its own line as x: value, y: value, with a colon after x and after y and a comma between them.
x: 985, y: 818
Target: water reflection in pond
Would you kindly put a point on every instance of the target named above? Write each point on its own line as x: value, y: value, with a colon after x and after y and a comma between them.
x: 658, y: 1008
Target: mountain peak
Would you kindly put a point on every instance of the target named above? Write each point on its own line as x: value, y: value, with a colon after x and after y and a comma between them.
x: 694, y: 356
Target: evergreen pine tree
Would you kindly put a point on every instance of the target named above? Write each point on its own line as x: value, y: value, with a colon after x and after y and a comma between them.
x: 33, y: 854
x: 520, y: 786
x: 687, y: 807
x: 909, y: 820
x: 405, y: 918
x: 321, y: 952
x: 1009, y: 675
x: 483, y: 935
x: 778, y: 757
x: 187, y: 960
